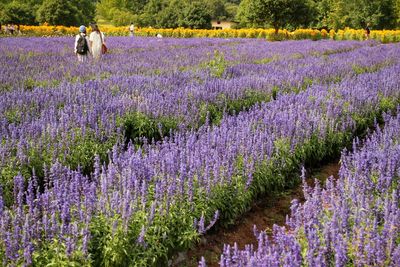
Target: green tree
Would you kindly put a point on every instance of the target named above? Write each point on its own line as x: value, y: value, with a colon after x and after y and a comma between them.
x: 151, y: 12
x: 18, y: 13
x: 231, y: 10
x: 303, y: 13
x: 388, y: 18
x: 276, y: 13
x: 397, y: 12
x: 135, y: 6
x: 34, y: 4
x: 109, y: 9
x: 196, y: 16
x: 3, y: 17
x: 217, y: 9
x: 166, y: 13
x: 86, y: 10
x: 58, y: 12
x: 170, y: 16
x: 68, y: 13
x: 242, y: 17
x: 105, y: 9
x: 123, y: 17
x: 356, y: 14
x: 322, y: 12
x: 122, y: 12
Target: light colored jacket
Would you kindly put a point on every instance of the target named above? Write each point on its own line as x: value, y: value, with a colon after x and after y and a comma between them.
x: 95, y: 41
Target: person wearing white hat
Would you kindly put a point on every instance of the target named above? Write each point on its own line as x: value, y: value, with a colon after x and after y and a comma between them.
x: 82, y: 49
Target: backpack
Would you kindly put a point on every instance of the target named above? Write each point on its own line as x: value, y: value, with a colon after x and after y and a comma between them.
x: 82, y: 47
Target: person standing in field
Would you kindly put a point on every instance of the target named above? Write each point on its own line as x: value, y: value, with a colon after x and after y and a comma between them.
x: 11, y: 28
x: 82, y: 45
x: 131, y: 30
x: 97, y: 42
x: 367, y: 31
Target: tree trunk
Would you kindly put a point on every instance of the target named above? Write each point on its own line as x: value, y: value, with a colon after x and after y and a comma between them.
x: 276, y: 27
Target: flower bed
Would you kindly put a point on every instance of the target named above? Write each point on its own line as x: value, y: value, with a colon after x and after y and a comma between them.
x: 147, y: 202
x: 352, y: 221
x: 384, y: 36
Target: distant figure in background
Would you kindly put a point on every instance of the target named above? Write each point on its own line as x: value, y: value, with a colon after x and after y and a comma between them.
x: 11, y: 29
x: 131, y: 30
x: 82, y: 45
x: 97, y: 42
x: 367, y: 31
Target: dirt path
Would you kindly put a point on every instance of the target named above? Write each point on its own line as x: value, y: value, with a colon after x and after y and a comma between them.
x: 264, y: 214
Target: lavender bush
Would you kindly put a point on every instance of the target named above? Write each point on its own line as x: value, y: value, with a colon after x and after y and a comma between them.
x: 30, y: 61
x: 353, y: 221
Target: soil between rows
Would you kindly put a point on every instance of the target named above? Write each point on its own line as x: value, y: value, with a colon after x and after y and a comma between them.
x: 264, y: 214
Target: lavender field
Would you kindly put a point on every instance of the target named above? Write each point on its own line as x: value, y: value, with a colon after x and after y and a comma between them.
x: 126, y: 161
x: 353, y: 221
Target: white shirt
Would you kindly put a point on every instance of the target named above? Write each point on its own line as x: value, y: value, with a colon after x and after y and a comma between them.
x: 95, y: 39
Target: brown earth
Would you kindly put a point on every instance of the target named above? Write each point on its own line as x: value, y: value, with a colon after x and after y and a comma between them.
x: 264, y: 214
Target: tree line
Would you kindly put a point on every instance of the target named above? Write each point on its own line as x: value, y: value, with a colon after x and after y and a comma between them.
x: 328, y: 14
x: 197, y: 14
x: 53, y: 12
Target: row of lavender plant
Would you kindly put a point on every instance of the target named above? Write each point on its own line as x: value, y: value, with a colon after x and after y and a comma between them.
x: 30, y: 62
x: 352, y: 221
x: 74, y: 121
x: 148, y: 201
